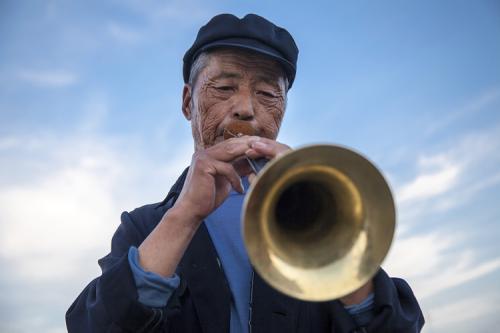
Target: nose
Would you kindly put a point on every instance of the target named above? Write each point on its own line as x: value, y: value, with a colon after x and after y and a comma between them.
x: 243, y: 108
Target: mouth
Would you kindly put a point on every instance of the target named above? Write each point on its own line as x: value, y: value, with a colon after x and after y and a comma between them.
x: 238, y: 128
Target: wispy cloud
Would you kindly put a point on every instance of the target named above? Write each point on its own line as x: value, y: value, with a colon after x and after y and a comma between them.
x: 446, y: 178
x: 439, y: 257
x: 476, y: 105
x: 436, y: 262
x: 429, y: 184
x: 47, y: 78
x: 465, y: 310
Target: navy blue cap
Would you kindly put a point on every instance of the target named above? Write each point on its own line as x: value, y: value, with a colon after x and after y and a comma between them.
x: 253, y: 33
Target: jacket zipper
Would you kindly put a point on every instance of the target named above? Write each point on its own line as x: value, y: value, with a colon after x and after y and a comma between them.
x: 250, y: 305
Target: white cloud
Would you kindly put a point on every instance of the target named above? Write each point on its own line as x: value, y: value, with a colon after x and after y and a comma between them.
x: 439, y: 257
x: 63, y: 217
x: 468, y: 309
x: 60, y: 203
x: 429, y: 184
x: 48, y: 223
x: 451, y: 176
x: 415, y: 256
x: 47, y: 78
x: 436, y: 261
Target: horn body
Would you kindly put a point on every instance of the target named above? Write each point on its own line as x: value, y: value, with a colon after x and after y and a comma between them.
x: 318, y: 222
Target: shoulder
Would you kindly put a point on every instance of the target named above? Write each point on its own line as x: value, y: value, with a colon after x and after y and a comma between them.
x: 148, y: 212
x: 145, y: 218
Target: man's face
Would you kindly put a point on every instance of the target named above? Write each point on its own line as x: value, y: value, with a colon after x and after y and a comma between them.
x: 235, y: 86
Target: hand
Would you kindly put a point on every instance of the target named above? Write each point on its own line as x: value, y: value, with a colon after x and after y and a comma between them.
x: 262, y: 147
x: 212, y: 174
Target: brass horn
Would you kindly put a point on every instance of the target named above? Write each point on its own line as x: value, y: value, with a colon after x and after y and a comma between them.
x: 318, y: 222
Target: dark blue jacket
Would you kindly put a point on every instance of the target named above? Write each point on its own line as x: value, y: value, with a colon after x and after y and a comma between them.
x: 202, y: 301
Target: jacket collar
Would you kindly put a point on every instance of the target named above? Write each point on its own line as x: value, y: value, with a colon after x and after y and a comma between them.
x: 175, y: 190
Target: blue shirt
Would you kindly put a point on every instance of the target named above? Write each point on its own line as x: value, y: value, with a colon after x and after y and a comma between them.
x: 224, y: 227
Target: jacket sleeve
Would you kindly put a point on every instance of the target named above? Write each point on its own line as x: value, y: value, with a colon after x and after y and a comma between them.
x: 110, y: 302
x: 396, y: 309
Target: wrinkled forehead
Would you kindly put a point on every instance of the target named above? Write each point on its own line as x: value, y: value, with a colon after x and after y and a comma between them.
x: 241, y: 64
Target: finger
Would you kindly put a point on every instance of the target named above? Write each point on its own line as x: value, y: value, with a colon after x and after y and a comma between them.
x: 242, y: 167
x: 266, y: 148
x: 253, y: 154
x: 227, y: 171
x: 230, y: 149
x: 223, y: 189
x: 251, y: 177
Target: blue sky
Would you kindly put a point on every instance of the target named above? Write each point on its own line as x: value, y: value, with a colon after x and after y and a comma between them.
x: 91, y: 125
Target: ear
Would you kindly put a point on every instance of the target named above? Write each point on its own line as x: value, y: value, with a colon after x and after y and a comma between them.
x: 186, y: 101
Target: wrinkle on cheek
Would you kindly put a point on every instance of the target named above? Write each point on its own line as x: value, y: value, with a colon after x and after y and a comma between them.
x: 271, y: 122
x: 277, y: 121
x: 207, y: 117
x: 209, y: 129
x: 196, y: 131
x: 271, y: 129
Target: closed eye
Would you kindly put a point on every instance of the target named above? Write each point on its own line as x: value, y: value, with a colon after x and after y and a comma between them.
x: 266, y: 93
x: 224, y: 88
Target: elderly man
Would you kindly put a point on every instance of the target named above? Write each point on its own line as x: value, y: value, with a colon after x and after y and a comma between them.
x: 180, y: 265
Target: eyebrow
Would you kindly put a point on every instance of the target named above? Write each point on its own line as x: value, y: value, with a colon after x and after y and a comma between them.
x: 227, y: 75
x: 268, y: 79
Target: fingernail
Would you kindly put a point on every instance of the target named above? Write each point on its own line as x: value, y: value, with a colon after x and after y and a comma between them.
x: 242, y: 187
x: 251, y: 177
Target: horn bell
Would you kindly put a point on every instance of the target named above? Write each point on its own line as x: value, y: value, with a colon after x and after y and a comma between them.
x: 318, y: 222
